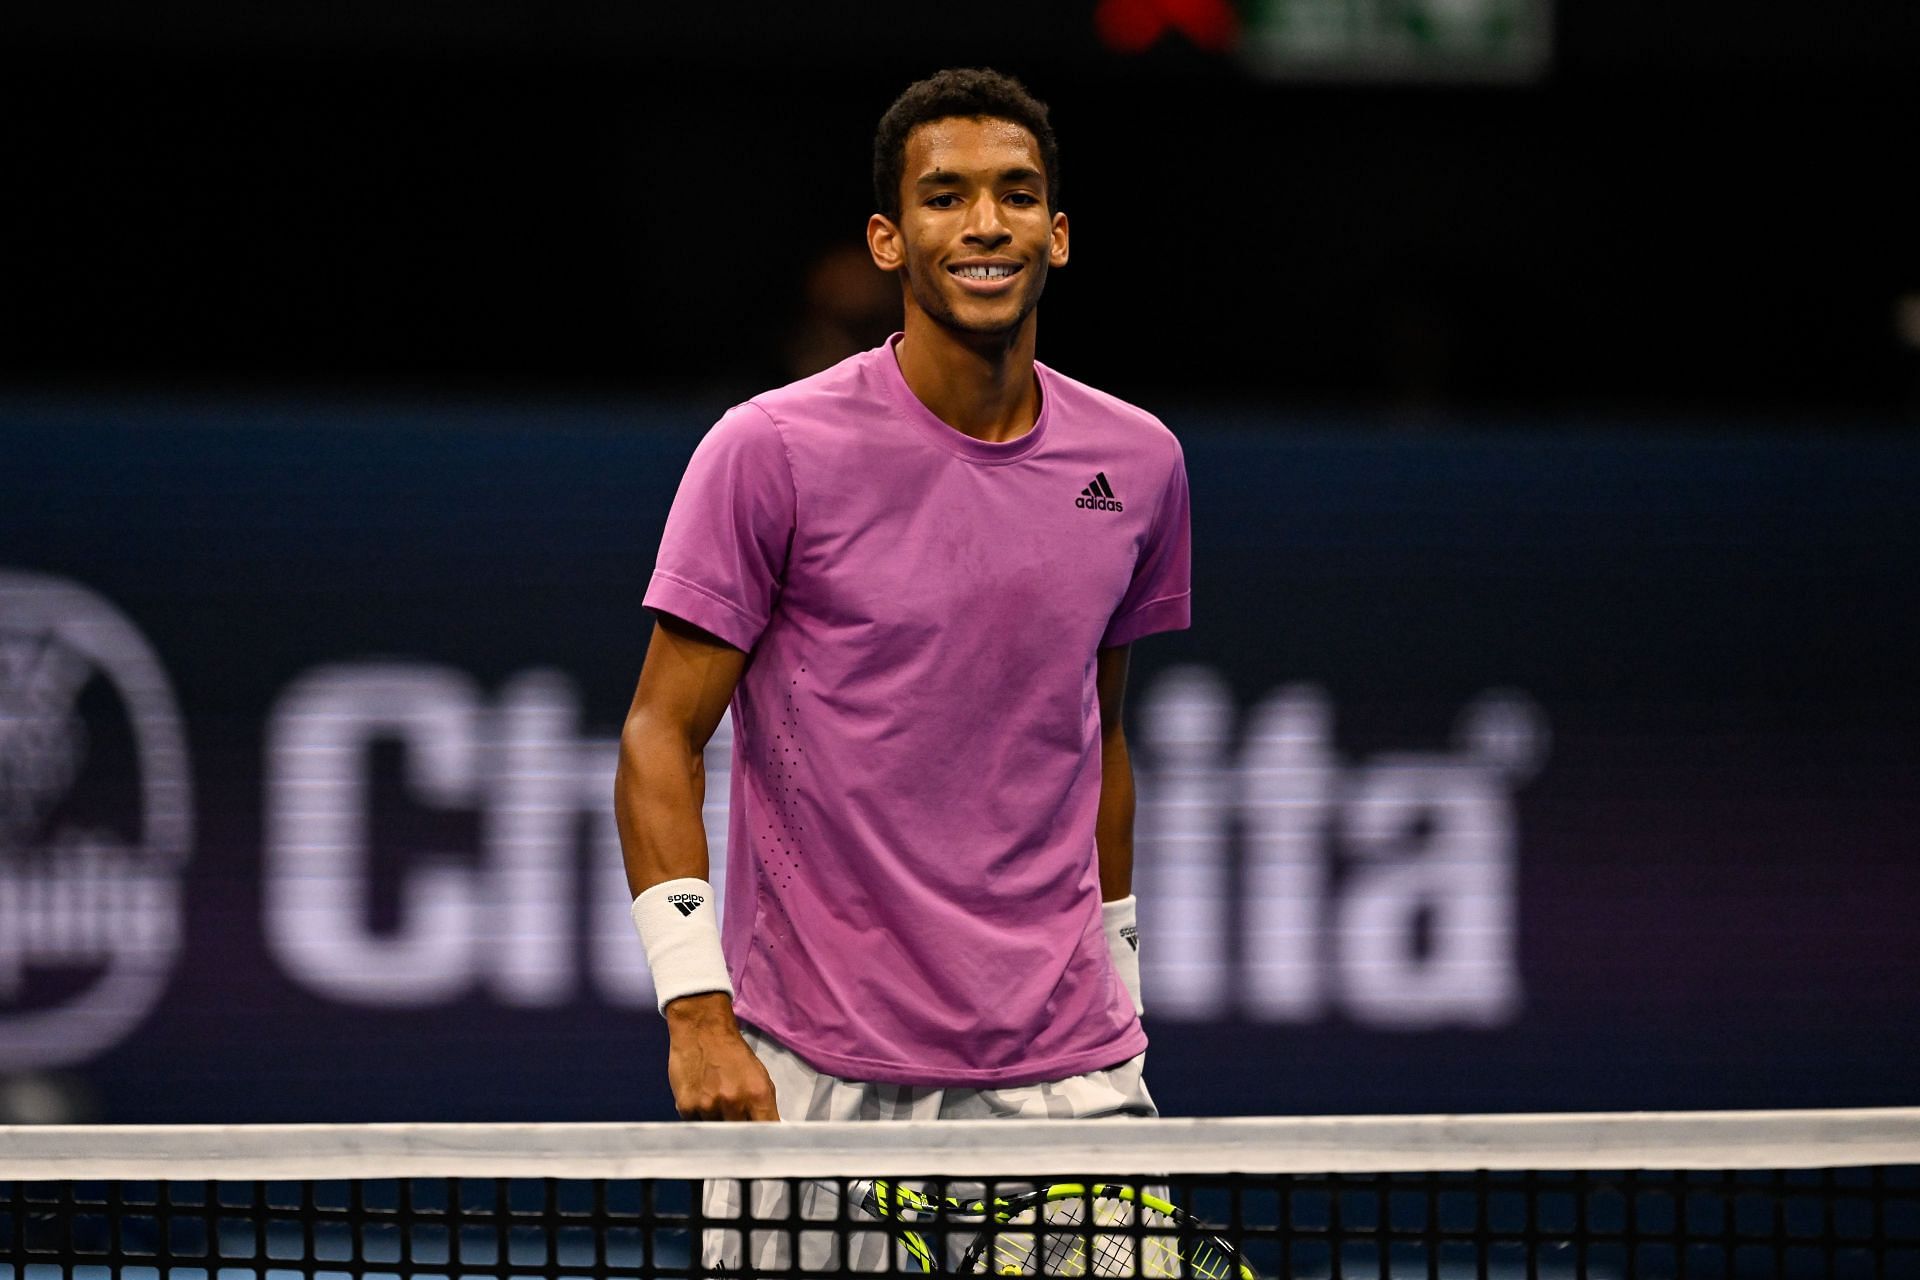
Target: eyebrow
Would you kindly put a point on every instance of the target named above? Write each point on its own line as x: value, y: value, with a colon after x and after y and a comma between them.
x: 947, y: 177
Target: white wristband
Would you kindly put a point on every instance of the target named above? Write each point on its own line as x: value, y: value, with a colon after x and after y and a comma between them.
x: 1123, y: 940
x: 681, y: 932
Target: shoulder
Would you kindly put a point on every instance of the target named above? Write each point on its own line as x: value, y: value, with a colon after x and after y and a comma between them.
x: 1115, y: 421
x: 825, y: 396
x: 744, y: 449
x: 743, y: 435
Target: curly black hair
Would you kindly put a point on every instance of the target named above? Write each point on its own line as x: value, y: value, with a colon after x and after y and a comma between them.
x: 972, y: 93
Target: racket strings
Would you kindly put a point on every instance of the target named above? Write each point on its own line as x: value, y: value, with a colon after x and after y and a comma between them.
x: 1069, y: 1245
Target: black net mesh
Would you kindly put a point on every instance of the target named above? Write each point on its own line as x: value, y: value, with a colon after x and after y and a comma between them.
x: 1831, y: 1223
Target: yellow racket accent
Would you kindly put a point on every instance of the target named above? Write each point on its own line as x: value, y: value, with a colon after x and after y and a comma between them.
x: 1107, y: 1229
x: 1066, y: 1229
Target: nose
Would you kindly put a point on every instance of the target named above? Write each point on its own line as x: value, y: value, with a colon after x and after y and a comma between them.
x: 985, y: 227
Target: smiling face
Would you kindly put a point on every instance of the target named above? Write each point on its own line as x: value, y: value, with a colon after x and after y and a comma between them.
x: 975, y: 238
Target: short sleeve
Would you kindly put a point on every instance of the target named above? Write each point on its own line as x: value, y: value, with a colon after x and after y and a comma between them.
x: 723, y: 555
x: 1161, y: 593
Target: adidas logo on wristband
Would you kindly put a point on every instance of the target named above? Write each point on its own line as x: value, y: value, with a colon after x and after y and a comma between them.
x: 682, y: 940
x: 1132, y: 935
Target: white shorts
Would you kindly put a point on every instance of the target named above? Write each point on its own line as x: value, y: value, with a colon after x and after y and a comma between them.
x: 802, y: 1093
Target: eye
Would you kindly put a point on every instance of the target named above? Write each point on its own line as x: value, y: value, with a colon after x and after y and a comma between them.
x: 1024, y: 198
x: 945, y: 200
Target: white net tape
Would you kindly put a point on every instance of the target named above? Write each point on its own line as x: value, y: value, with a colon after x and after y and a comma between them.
x: 958, y: 1148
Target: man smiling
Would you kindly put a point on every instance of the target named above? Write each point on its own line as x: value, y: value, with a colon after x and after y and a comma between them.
x: 916, y: 576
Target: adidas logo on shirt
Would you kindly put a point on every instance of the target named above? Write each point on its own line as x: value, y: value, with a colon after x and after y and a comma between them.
x: 685, y: 903
x: 1098, y: 496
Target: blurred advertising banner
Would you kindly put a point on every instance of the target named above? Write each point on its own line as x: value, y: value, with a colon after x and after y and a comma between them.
x: 1529, y: 771
x: 1490, y: 41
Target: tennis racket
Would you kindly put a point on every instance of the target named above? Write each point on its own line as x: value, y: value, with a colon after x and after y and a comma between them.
x: 1062, y: 1229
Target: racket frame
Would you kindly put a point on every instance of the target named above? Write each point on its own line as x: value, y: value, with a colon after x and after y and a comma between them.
x: 898, y: 1205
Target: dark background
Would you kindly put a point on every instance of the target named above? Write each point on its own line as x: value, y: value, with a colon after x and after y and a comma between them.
x: 1690, y: 207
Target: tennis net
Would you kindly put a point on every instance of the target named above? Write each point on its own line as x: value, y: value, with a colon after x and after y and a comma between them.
x: 1692, y: 1194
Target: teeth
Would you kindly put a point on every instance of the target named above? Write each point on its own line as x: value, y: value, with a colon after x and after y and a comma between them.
x: 996, y: 272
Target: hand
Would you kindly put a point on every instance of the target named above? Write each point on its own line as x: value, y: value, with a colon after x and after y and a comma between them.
x: 713, y: 1074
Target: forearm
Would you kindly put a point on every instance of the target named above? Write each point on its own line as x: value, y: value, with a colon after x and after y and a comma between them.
x: 1113, y: 827
x: 659, y: 787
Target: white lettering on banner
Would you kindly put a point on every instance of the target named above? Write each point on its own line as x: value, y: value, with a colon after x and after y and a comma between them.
x: 1286, y: 774
x: 530, y: 815
x: 506, y: 917
x: 1385, y: 892
x: 1277, y: 882
x: 1188, y: 717
x: 1427, y: 923
x: 90, y: 910
x: 318, y: 890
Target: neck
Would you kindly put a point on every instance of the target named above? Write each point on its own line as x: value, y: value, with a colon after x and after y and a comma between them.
x: 980, y: 385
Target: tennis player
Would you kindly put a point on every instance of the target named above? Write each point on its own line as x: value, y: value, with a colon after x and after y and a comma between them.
x: 916, y: 576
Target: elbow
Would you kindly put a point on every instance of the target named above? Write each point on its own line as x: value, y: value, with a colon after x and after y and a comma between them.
x: 649, y: 744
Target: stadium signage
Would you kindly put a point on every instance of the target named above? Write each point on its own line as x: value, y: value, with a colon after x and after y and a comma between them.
x: 425, y: 843
x: 96, y: 823
x: 1382, y: 890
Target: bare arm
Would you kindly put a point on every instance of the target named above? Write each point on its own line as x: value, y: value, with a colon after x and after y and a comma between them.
x: 659, y: 786
x: 685, y: 683
x: 1113, y: 827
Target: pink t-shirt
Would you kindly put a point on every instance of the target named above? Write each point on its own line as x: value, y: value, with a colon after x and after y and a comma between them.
x: 912, y: 890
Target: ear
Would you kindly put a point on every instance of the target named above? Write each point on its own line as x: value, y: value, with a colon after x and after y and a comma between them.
x: 1057, y: 244
x: 884, y: 243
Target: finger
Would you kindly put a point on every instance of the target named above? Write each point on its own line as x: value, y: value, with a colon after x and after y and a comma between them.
x: 761, y: 1101
x: 691, y: 1108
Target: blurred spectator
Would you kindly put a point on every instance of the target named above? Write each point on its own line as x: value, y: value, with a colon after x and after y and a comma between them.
x: 1409, y: 355
x: 848, y: 306
x: 1906, y: 326
x: 1416, y: 354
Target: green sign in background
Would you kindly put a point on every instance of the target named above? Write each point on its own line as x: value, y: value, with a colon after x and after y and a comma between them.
x: 1498, y: 40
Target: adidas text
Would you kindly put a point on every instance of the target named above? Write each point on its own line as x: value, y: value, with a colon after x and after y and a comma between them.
x: 1099, y: 504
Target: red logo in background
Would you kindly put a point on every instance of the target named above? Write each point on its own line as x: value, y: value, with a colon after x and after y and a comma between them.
x: 1133, y: 26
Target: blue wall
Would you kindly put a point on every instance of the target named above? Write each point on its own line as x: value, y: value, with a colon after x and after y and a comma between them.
x: 1502, y: 772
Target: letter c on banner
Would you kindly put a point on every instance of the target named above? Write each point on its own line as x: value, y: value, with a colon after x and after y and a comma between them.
x: 318, y: 887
